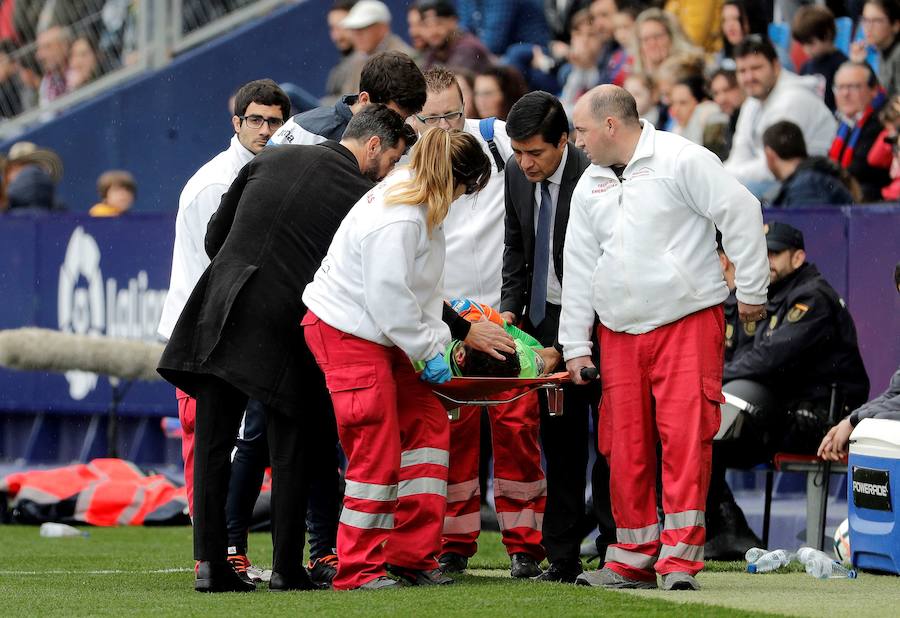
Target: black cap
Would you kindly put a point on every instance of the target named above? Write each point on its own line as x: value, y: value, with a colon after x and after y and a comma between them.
x: 441, y: 8
x: 781, y: 236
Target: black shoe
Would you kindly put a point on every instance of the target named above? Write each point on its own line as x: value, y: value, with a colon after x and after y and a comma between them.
x: 284, y: 583
x: 523, y: 566
x: 433, y: 577
x: 322, y: 570
x: 219, y: 577
x: 241, y: 565
x: 453, y: 563
x: 563, y: 571
x: 728, y: 536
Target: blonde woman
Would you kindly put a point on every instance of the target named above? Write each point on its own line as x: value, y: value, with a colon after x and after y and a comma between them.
x: 374, y: 305
x: 658, y: 36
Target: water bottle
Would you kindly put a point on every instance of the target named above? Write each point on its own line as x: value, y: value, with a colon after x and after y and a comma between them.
x: 771, y: 561
x: 753, y: 554
x: 55, y: 530
x: 821, y: 566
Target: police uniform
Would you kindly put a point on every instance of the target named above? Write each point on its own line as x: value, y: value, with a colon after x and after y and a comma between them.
x: 806, y: 343
x: 738, y: 335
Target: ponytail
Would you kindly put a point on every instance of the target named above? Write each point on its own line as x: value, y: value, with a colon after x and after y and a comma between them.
x: 438, y: 161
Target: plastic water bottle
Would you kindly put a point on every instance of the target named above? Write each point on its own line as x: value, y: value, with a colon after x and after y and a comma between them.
x: 771, y: 561
x: 753, y: 554
x: 56, y: 530
x: 821, y: 566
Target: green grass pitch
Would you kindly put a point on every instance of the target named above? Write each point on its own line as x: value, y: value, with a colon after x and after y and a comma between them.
x: 148, y: 572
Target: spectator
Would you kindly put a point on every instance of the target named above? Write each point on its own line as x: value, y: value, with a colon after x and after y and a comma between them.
x: 723, y: 87
x: 84, y: 63
x: 582, y: 71
x: 10, y: 85
x: 658, y: 37
x: 620, y: 65
x: 696, y: 117
x: 698, y: 21
x: 886, y: 406
x: 342, y: 72
x: 29, y: 73
x: 881, y: 24
x: 466, y: 81
x: 496, y: 90
x: 369, y: 24
x: 117, y: 190
x: 859, y: 99
x: 814, y: 28
x: 735, y: 28
x: 675, y: 68
x: 804, y: 181
x: 646, y: 95
x: 773, y: 94
x: 119, y: 31
x: 882, y: 153
x: 502, y: 23
x: 30, y: 178
x: 447, y: 44
x: 52, y: 54
x: 414, y: 30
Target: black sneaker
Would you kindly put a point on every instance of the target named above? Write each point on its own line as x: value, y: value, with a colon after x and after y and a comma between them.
x: 433, y: 577
x: 322, y: 570
x: 241, y: 565
x: 453, y: 563
x: 563, y: 571
x: 286, y: 583
x: 523, y: 566
x: 219, y: 577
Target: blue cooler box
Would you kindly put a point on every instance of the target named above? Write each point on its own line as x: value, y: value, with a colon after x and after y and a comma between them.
x: 873, y: 495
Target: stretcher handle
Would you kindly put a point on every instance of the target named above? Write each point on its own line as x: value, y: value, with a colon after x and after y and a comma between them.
x: 589, y: 374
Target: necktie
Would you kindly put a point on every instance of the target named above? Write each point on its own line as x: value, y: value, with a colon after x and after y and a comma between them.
x: 538, y: 305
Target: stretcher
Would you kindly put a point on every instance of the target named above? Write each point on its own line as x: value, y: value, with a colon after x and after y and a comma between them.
x: 475, y: 391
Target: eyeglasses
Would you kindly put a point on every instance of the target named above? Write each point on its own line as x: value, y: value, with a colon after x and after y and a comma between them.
x: 432, y: 121
x: 255, y: 122
x: 847, y: 87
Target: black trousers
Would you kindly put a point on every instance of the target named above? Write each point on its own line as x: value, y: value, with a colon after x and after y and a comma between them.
x: 566, y: 440
x: 297, y: 448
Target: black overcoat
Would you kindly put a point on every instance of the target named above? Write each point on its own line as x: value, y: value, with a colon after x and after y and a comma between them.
x: 266, y: 241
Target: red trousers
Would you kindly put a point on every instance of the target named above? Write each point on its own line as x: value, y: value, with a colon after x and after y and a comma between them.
x: 395, y: 434
x: 662, y: 385
x: 187, y: 412
x: 519, y: 486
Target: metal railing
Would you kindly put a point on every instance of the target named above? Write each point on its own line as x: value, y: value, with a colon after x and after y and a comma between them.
x: 62, y: 52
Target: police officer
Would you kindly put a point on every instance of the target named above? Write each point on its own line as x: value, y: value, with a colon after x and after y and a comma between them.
x: 807, y: 343
x: 738, y: 335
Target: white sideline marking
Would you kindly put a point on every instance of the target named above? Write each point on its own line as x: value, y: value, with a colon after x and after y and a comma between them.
x: 99, y: 572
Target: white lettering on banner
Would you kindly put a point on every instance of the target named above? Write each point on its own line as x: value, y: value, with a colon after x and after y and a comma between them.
x: 870, y: 489
x: 88, y: 306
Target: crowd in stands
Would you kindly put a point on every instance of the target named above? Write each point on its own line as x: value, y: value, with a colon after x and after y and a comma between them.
x: 805, y: 119
x: 49, y: 48
x: 718, y: 73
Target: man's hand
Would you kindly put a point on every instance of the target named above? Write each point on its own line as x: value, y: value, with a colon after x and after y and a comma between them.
x: 834, y: 444
x: 574, y: 367
x: 551, y: 358
x: 485, y: 336
x: 858, y: 51
x: 751, y: 313
x: 509, y: 317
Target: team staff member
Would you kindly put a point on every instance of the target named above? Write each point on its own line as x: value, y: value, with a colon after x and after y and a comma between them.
x: 375, y: 304
x: 391, y: 78
x: 261, y: 107
x: 539, y: 185
x: 640, y: 254
x: 239, y: 335
x: 474, y: 237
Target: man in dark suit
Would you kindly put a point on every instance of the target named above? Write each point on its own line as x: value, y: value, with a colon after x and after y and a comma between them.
x: 239, y: 334
x: 540, y: 178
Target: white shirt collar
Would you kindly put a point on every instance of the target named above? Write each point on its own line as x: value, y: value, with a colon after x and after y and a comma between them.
x: 556, y: 177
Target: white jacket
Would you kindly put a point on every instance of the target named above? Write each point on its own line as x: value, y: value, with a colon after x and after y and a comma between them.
x: 641, y: 253
x: 474, y: 230
x: 381, y: 278
x: 199, y: 200
x: 793, y: 98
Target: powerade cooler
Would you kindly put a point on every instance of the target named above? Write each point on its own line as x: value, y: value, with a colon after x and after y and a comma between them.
x: 874, y: 495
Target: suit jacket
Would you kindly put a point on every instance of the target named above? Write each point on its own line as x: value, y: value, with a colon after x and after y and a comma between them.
x: 518, y: 252
x: 266, y: 241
